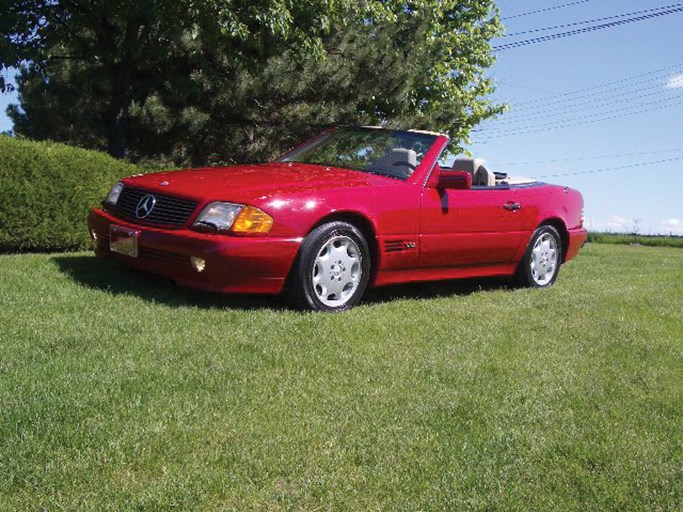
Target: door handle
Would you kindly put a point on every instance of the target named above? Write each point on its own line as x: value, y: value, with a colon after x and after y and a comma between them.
x: 512, y: 206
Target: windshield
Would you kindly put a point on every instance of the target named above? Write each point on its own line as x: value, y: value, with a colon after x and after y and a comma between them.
x: 390, y: 153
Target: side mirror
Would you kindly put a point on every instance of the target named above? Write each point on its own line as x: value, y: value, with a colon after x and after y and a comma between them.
x: 455, y: 180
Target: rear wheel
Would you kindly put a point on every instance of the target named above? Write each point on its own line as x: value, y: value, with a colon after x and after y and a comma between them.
x: 541, y: 262
x: 332, y: 269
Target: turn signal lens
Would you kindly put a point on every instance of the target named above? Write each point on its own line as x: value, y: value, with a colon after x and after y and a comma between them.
x: 251, y: 220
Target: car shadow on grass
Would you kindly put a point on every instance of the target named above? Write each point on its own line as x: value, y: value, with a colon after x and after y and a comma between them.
x: 115, y: 278
x: 436, y: 289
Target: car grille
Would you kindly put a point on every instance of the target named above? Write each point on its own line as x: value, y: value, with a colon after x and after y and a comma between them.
x: 167, y: 210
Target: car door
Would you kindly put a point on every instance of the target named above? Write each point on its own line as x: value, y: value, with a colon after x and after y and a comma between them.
x: 471, y: 227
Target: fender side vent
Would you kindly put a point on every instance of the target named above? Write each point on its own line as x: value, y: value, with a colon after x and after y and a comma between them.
x: 394, y: 246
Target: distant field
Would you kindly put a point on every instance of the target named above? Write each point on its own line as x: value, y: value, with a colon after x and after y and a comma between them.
x: 119, y: 391
x: 647, y: 240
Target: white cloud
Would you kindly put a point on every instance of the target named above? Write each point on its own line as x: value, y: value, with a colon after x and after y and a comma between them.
x: 674, y: 226
x: 616, y: 223
x: 620, y: 224
x: 675, y: 82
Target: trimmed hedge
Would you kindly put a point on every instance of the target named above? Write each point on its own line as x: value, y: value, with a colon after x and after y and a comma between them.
x: 46, y: 191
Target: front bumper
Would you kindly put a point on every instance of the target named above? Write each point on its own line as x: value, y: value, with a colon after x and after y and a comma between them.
x: 233, y: 264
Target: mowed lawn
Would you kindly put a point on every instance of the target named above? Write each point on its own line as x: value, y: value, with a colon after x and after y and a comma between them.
x: 119, y: 391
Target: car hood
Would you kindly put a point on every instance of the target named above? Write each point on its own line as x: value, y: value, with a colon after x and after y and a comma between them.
x: 249, y: 183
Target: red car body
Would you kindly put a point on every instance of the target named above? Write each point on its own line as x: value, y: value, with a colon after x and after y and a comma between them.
x: 417, y: 229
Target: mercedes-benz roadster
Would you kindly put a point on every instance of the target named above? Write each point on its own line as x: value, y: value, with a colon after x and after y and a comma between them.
x: 351, y: 209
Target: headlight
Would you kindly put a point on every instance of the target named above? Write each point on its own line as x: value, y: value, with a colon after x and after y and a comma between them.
x: 218, y: 216
x: 235, y: 218
x: 114, y: 194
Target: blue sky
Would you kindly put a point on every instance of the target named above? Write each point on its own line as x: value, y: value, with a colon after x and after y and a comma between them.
x: 539, y: 83
x: 567, y: 115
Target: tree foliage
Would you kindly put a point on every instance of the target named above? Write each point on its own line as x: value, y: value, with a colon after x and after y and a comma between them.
x: 208, y: 81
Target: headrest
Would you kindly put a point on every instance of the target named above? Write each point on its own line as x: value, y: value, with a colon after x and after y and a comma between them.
x: 470, y: 165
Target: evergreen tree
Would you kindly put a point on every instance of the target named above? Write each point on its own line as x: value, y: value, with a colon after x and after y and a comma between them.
x: 221, y: 81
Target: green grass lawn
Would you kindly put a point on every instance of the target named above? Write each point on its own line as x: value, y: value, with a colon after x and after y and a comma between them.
x: 119, y: 391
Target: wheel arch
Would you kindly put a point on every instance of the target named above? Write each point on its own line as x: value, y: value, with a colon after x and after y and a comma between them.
x: 561, y: 228
x: 366, y: 227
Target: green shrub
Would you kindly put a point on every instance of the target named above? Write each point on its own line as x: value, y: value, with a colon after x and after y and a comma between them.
x: 46, y: 191
x: 636, y: 239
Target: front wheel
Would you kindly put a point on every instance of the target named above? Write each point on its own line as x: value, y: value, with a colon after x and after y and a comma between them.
x: 332, y: 269
x: 541, y: 262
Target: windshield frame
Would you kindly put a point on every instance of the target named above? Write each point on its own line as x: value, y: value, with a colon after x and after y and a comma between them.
x: 377, y: 163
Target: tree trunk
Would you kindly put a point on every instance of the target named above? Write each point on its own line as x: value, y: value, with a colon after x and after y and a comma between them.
x: 118, y: 140
x: 121, y: 86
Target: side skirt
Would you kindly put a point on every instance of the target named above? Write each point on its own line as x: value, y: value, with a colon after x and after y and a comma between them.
x: 442, y: 273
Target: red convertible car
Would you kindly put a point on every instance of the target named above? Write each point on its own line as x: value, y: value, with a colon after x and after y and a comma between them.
x: 352, y: 208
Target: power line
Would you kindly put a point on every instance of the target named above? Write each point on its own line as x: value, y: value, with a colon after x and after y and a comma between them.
x: 570, y: 123
x: 550, y: 126
x: 600, y: 114
x: 539, y: 11
x: 560, y: 35
x: 566, y: 109
x: 608, y: 169
x: 585, y: 99
x: 606, y: 84
x: 597, y: 114
x: 596, y: 20
x: 584, y: 158
x: 576, y: 105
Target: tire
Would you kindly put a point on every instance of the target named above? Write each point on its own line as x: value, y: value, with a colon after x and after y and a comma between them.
x: 542, y: 259
x: 332, y: 269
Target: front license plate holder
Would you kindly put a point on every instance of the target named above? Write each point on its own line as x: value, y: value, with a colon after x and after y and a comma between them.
x: 123, y: 240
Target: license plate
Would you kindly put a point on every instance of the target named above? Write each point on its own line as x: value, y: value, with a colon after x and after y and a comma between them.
x: 123, y: 240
